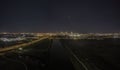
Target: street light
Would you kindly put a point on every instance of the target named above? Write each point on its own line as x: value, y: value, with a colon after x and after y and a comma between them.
x: 20, y: 49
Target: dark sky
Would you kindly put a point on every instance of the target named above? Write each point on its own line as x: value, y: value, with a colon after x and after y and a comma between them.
x: 59, y: 15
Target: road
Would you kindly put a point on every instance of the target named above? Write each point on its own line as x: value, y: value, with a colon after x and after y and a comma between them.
x: 48, y: 55
x: 59, y: 58
x: 35, y: 58
x: 64, y: 54
x: 20, y: 45
x: 96, y: 54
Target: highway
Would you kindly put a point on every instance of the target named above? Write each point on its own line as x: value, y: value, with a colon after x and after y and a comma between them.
x: 54, y: 56
x: 48, y: 54
x: 95, y: 54
x: 59, y: 57
x: 33, y: 57
x: 20, y: 45
x: 56, y: 53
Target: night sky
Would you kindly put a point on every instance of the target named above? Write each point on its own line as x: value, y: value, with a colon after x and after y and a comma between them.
x: 81, y: 16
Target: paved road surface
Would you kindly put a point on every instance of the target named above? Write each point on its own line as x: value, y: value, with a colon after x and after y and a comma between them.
x: 59, y: 59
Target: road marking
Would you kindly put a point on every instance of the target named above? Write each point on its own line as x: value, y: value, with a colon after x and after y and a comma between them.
x: 78, y: 59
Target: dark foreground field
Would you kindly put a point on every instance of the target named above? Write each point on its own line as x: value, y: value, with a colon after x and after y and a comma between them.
x: 34, y: 57
x: 64, y: 54
x: 97, y: 54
